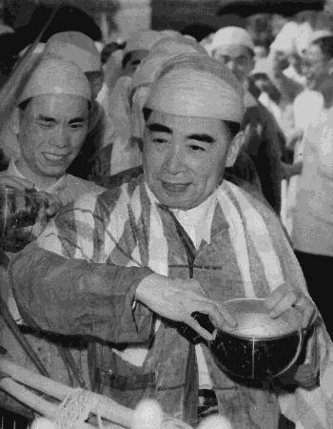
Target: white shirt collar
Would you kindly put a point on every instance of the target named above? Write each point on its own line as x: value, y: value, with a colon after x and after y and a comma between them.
x: 12, y: 170
x: 197, y: 222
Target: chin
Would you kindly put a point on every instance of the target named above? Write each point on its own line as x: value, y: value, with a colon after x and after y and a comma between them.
x: 54, y: 172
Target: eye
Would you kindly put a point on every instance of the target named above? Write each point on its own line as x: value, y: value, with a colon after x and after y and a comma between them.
x: 45, y: 124
x: 224, y: 59
x: 76, y: 125
x: 241, y: 61
x: 197, y: 148
x: 158, y: 139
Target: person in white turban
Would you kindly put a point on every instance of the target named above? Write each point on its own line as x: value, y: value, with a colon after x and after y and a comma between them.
x: 137, y: 48
x: 179, y: 220
x: 50, y: 122
x: 81, y: 49
x: 119, y: 70
x: 234, y: 47
x: 283, y: 68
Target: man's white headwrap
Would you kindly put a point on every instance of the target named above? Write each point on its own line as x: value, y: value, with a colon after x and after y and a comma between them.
x: 55, y: 76
x: 146, y: 72
x: 229, y: 36
x: 76, y: 47
x: 197, y: 86
x: 293, y: 38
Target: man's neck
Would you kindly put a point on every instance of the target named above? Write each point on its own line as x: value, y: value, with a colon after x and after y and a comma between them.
x: 40, y: 182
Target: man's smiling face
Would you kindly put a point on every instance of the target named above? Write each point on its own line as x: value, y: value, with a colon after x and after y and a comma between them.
x: 184, y: 158
x: 51, y: 131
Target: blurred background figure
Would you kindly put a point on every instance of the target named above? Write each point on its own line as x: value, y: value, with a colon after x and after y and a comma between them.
x: 234, y: 47
x: 311, y: 202
x: 261, y: 51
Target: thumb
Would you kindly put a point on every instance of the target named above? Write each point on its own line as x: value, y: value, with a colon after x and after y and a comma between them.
x: 192, y: 323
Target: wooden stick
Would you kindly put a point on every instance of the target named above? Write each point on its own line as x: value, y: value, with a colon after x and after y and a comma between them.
x: 22, y: 340
x: 108, y: 408
x: 39, y: 404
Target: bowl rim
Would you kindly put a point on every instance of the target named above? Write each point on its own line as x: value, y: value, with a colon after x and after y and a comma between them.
x: 257, y: 338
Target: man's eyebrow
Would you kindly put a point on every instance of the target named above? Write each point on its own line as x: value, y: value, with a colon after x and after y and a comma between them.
x: 45, y: 118
x: 78, y: 119
x: 204, y: 138
x: 159, y: 128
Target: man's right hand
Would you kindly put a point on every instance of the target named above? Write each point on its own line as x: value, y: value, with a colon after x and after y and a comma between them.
x: 177, y: 299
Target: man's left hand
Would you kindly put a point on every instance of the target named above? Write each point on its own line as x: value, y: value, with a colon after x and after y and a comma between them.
x: 286, y: 296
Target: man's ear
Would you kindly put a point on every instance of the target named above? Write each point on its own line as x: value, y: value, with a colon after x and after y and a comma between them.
x: 234, y: 148
x: 15, y: 121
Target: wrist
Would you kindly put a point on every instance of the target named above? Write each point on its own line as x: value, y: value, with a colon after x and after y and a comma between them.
x: 145, y: 286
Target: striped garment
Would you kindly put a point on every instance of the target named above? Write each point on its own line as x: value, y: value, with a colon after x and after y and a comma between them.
x: 124, y: 226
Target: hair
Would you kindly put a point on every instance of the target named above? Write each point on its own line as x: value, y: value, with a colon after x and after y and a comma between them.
x: 198, y: 30
x: 126, y: 59
x: 24, y: 104
x: 109, y: 49
x: 325, y: 44
x: 233, y: 128
x: 96, y: 74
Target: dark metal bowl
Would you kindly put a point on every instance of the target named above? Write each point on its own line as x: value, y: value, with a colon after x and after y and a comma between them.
x: 19, y: 212
x: 249, y: 352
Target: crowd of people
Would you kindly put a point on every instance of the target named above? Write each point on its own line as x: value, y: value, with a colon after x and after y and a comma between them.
x: 180, y: 173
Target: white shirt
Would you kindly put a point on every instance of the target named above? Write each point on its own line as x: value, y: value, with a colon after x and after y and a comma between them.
x: 197, y: 222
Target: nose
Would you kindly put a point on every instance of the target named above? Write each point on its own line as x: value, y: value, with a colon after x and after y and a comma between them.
x: 232, y: 65
x: 174, y: 161
x: 61, y: 139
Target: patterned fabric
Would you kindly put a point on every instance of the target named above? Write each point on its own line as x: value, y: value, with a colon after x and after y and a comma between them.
x: 67, y: 189
x: 124, y: 227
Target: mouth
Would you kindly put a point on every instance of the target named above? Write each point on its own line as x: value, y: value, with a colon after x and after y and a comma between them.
x: 175, y: 188
x: 54, y: 158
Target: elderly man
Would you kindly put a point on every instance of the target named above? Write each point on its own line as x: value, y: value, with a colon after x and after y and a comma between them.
x: 177, y: 220
x: 79, y: 48
x: 234, y: 47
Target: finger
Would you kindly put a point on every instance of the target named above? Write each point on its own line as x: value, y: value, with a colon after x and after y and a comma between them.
x: 309, y: 312
x: 276, y: 296
x: 283, y: 304
x: 218, y: 314
x: 192, y: 323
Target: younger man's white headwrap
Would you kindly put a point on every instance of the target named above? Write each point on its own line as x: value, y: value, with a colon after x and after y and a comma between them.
x: 198, y: 86
x: 56, y: 76
x: 76, y: 47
